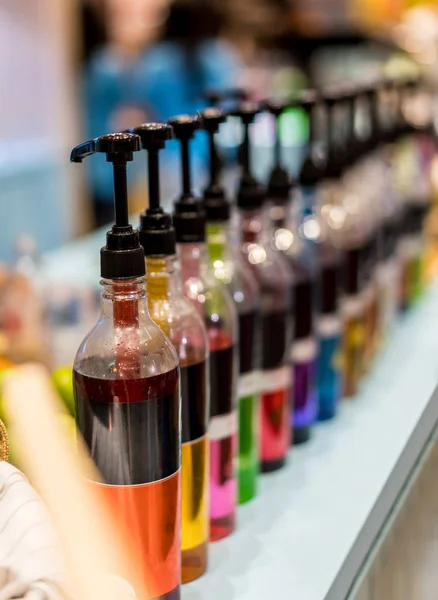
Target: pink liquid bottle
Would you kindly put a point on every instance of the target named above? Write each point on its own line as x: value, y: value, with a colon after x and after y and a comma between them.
x: 127, y: 390
x: 274, y: 278
x: 216, y: 307
x: 178, y: 319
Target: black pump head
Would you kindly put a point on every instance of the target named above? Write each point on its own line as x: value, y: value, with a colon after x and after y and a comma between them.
x: 188, y: 216
x: 153, y: 135
x: 157, y: 235
x: 335, y: 154
x: 185, y: 126
x: 250, y: 195
x: 212, y: 118
x: 216, y: 96
x: 122, y: 257
x: 280, y: 183
x: 312, y: 169
x: 216, y: 205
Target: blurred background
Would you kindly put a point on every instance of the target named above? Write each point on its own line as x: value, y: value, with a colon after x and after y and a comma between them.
x: 76, y: 69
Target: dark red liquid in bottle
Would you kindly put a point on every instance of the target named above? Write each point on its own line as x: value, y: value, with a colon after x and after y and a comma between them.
x: 223, y: 434
x: 131, y: 427
x: 248, y: 342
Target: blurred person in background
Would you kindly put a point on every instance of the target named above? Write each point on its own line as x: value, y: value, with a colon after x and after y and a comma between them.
x: 153, y: 59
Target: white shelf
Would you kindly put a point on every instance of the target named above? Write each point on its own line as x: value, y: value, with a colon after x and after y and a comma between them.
x: 309, y: 530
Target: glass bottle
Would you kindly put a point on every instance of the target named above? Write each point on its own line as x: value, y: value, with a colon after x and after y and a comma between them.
x: 128, y: 406
x: 216, y: 308
x: 178, y: 319
x: 289, y: 236
x: 274, y: 280
x: 228, y: 267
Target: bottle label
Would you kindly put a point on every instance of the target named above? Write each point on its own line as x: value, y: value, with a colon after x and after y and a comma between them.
x: 249, y: 384
x: 304, y: 350
x: 328, y: 326
x: 153, y: 512
x: 352, y: 306
x: 223, y: 426
x: 276, y: 379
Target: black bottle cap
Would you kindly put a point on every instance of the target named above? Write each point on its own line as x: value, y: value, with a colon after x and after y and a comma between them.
x: 122, y: 257
x: 250, y: 194
x: 189, y: 215
x: 157, y: 235
x: 280, y: 182
x: 312, y: 169
x: 217, y: 207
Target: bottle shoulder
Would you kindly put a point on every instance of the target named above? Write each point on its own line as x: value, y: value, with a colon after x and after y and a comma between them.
x: 130, y: 352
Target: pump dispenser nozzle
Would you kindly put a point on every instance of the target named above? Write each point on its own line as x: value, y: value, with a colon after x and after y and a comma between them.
x: 312, y: 170
x: 122, y: 257
x: 157, y: 235
x: 280, y: 183
x: 250, y: 194
x: 189, y: 216
x: 216, y: 205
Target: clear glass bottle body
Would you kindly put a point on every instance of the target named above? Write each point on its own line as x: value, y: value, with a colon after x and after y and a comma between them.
x: 128, y: 410
x: 273, y: 276
x: 228, y: 267
x: 216, y: 308
x: 178, y: 319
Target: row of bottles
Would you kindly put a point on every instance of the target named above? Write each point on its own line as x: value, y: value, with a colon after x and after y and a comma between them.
x: 226, y: 332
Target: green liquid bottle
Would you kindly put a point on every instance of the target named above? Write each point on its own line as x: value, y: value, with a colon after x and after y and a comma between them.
x: 228, y: 267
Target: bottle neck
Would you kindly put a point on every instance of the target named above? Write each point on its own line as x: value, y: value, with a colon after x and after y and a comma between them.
x: 123, y: 300
x: 218, y: 241
x: 192, y: 259
x: 250, y: 224
x: 162, y: 277
x: 277, y: 216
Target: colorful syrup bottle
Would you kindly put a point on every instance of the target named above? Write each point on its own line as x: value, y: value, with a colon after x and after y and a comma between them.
x: 178, y: 319
x: 416, y: 152
x: 274, y: 279
x: 385, y: 224
x: 215, y: 306
x: 128, y: 405
x: 389, y: 270
x: 289, y: 236
x: 228, y: 266
x: 351, y: 246
x: 360, y: 158
x: 328, y: 325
